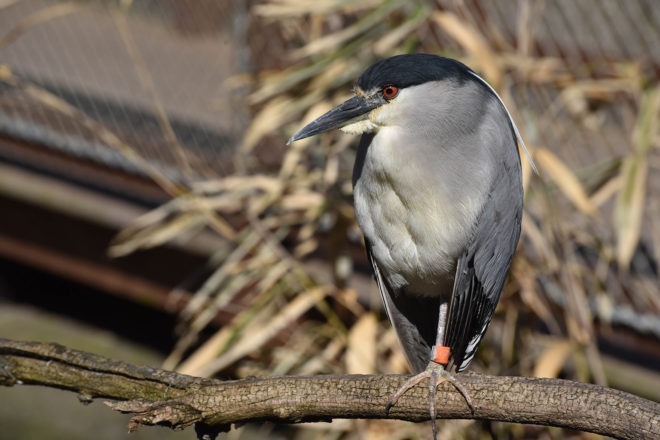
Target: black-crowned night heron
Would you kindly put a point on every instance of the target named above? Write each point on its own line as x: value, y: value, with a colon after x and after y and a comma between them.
x: 438, y: 195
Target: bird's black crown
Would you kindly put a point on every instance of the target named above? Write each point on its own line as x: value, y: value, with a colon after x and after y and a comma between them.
x: 411, y: 70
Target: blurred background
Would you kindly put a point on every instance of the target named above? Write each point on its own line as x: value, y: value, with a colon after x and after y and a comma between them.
x: 150, y: 210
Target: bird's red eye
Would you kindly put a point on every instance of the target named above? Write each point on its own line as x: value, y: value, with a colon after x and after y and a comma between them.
x: 390, y: 92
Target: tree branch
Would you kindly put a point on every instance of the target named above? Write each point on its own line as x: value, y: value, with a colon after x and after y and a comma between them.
x: 161, y: 397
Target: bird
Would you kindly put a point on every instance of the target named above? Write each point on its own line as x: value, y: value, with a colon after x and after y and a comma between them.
x: 438, y: 195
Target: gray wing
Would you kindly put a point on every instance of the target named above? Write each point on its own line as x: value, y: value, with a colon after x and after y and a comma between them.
x: 415, y: 319
x: 482, y: 268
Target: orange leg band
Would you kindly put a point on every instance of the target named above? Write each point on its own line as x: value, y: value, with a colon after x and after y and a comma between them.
x: 441, y: 355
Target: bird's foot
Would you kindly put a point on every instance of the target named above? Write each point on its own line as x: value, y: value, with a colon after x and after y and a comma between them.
x: 436, y: 374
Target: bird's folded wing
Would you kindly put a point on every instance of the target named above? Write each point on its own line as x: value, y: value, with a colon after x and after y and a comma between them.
x: 480, y: 274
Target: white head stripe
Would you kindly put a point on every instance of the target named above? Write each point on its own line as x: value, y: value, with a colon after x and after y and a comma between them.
x: 515, y: 127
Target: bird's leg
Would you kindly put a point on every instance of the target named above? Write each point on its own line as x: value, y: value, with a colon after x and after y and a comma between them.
x: 436, y: 373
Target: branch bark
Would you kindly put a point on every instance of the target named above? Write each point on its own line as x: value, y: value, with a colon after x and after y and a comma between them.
x: 161, y: 397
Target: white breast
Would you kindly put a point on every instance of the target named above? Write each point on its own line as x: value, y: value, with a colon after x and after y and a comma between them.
x: 413, y: 206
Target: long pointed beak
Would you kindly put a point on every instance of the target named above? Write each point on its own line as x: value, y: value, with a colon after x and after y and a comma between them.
x: 352, y: 110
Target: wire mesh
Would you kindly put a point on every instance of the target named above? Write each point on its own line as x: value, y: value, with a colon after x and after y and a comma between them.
x: 145, y: 72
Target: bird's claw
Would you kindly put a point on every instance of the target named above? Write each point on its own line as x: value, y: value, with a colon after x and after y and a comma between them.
x: 436, y: 375
x: 410, y: 383
x: 460, y: 388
